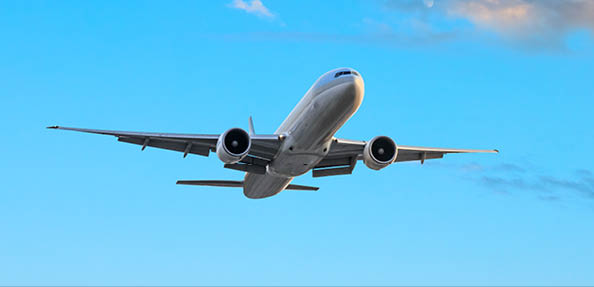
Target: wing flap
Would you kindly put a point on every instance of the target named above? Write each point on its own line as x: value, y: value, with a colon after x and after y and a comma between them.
x: 335, y: 161
x: 332, y: 171
x: 181, y: 146
x: 411, y: 156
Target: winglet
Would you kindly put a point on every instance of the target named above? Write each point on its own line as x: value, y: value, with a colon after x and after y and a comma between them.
x: 252, y: 131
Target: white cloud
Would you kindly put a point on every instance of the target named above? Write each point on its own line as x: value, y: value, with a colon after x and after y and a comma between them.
x: 255, y: 7
x: 543, y: 20
x: 535, y: 23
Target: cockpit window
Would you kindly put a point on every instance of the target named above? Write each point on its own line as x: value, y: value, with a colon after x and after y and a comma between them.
x: 345, y: 73
x: 342, y: 73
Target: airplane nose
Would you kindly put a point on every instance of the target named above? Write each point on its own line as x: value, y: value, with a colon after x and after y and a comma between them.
x: 355, y: 90
x: 359, y: 87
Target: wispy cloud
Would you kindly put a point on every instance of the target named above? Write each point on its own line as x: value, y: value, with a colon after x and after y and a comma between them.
x: 503, y: 184
x: 509, y: 167
x: 255, y: 7
x: 529, y: 23
x: 581, y: 184
x: 511, y: 178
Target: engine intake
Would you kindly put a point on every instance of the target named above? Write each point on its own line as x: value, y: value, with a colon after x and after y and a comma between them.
x: 233, y: 145
x: 379, y: 152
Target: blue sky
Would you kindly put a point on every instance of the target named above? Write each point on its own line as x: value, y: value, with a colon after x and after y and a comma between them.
x: 82, y: 209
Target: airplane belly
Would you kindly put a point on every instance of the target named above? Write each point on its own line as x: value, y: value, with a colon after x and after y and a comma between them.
x: 310, y: 134
x: 325, y: 114
x: 292, y: 164
x: 261, y: 186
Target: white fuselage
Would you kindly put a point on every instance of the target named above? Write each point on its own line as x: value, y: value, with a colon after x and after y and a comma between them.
x: 308, y: 131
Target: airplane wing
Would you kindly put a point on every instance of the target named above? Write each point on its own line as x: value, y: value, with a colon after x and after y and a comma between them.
x: 343, y: 156
x: 264, y: 147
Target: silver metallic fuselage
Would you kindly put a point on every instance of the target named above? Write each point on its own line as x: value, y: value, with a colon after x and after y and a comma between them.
x: 308, y: 131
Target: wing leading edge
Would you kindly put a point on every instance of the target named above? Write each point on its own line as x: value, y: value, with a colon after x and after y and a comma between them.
x: 264, y: 147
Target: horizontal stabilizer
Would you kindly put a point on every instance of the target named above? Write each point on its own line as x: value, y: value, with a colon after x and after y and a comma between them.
x: 301, y: 187
x: 237, y: 183
x: 222, y: 183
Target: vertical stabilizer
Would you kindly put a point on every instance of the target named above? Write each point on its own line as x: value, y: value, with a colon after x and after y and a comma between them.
x: 252, y: 131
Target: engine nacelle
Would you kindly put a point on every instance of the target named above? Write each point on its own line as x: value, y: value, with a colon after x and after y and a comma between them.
x: 379, y: 152
x: 233, y: 145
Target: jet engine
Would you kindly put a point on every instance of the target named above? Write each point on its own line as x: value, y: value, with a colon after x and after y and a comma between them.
x: 379, y: 152
x: 233, y: 145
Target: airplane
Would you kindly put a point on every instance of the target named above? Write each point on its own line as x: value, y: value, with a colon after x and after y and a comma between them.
x: 304, y: 141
